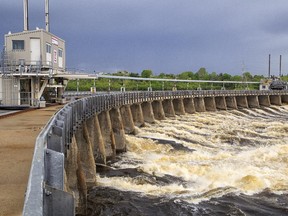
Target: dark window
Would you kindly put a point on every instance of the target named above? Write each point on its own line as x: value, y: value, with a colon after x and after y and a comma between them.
x: 18, y: 44
x: 48, y: 48
x: 60, y: 53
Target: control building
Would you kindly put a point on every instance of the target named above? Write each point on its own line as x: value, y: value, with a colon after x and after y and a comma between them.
x: 30, y: 61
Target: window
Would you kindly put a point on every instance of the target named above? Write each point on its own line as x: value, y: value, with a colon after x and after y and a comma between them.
x: 48, y: 48
x: 60, y: 53
x: 18, y: 44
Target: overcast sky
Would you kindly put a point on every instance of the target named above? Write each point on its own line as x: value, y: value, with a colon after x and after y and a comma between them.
x: 169, y: 36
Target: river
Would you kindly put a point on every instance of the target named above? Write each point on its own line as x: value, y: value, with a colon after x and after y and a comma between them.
x: 214, y: 163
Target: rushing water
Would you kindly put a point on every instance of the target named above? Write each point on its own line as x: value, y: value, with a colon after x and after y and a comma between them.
x: 214, y: 163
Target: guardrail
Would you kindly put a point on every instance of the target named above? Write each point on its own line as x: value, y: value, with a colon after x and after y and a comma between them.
x: 47, y: 170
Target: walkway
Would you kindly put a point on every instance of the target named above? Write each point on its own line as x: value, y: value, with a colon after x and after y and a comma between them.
x: 17, y: 139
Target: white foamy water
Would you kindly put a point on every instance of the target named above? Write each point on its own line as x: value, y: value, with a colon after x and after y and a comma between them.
x: 240, y: 151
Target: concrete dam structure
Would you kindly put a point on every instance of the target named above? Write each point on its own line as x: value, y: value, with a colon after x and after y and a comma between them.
x: 92, y: 131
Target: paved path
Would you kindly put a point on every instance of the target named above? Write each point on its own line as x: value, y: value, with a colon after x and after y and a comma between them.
x: 17, y: 139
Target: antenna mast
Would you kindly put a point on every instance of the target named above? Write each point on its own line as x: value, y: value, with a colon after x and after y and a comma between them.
x: 269, y: 67
x: 47, y: 24
x: 280, y: 66
x: 25, y: 7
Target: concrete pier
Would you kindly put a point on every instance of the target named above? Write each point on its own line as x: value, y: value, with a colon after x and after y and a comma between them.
x: 127, y: 119
x: 242, y: 102
x: 220, y: 103
x: 107, y: 134
x: 168, y: 108
x: 86, y: 155
x: 284, y: 99
x: 99, y: 150
x: 253, y: 101
x: 158, y: 110
x: 199, y: 104
x: 75, y: 182
x: 189, y: 105
x: 210, y: 104
x: 148, y: 112
x: 275, y: 100
x: 118, y: 129
x: 178, y: 106
x: 231, y: 102
x: 137, y: 115
x: 264, y: 100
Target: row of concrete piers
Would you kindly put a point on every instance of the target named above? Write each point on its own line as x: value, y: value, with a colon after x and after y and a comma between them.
x: 102, y: 136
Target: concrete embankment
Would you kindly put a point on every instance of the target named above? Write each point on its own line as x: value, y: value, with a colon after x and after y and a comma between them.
x: 17, y: 139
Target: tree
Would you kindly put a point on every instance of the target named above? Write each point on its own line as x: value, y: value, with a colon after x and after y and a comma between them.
x: 186, y: 75
x: 146, y: 73
x: 121, y: 73
x: 134, y: 75
x: 257, y: 78
x: 202, y: 74
x: 226, y: 77
x: 213, y: 76
x: 162, y: 75
x: 247, y: 76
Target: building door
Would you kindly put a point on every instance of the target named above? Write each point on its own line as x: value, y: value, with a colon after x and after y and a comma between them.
x: 35, y: 50
x: 25, y: 92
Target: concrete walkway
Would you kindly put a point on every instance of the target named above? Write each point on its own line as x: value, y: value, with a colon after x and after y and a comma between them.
x: 17, y: 139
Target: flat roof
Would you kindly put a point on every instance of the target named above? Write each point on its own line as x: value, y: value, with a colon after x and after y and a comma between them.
x: 33, y: 31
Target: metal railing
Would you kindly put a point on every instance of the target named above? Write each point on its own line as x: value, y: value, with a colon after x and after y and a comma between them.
x: 45, y: 190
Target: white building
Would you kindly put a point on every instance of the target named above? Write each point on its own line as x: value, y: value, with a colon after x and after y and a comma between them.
x: 30, y: 61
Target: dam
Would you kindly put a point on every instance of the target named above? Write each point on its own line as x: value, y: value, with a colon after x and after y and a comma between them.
x: 92, y: 131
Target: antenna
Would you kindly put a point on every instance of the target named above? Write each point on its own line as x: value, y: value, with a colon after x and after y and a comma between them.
x: 280, y: 66
x: 25, y: 7
x: 47, y: 24
x: 244, y: 77
x: 269, y: 67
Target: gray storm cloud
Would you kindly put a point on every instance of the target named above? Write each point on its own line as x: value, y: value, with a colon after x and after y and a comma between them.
x: 166, y: 36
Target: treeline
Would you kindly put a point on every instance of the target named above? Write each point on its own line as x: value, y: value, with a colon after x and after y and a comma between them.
x: 102, y: 84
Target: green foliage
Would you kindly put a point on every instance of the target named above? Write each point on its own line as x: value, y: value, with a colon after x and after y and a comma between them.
x: 202, y: 74
x: 134, y: 75
x: 104, y: 84
x: 146, y: 73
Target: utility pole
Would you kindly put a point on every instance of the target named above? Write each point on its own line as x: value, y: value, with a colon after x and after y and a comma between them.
x: 244, y: 75
x: 280, y: 66
x: 269, y: 66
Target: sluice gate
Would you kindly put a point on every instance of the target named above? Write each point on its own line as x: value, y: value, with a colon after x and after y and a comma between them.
x: 92, y: 131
